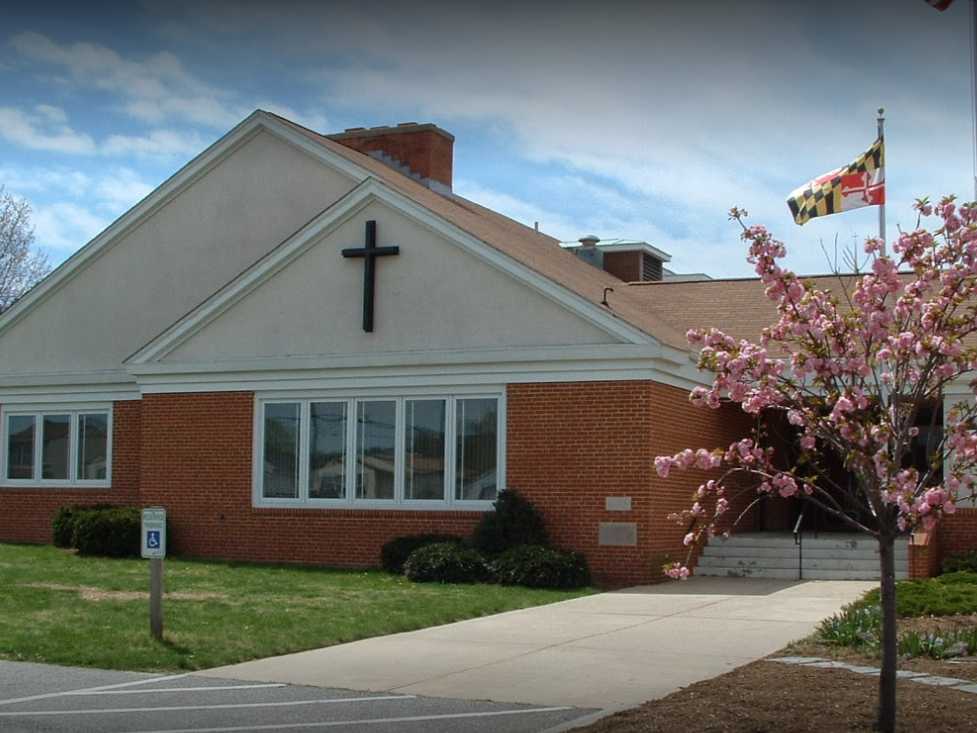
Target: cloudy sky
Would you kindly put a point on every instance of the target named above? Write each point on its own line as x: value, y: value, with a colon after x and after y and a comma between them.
x: 644, y: 120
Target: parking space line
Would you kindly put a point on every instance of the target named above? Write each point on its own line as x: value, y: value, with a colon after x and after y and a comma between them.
x: 84, y: 693
x: 226, y: 706
x: 369, y: 721
x: 133, y: 683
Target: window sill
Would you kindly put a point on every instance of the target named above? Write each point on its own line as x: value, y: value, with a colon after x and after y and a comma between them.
x: 392, y: 506
x: 57, y: 485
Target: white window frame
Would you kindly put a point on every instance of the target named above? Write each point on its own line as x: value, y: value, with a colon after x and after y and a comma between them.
x: 39, y: 412
x: 352, y: 400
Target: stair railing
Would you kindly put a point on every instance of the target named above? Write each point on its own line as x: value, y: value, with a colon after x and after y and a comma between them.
x: 799, y: 541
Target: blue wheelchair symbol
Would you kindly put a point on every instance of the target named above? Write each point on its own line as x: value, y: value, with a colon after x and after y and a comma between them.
x: 152, y: 539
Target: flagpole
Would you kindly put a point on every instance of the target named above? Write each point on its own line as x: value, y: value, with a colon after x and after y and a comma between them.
x: 973, y: 80
x: 881, y: 121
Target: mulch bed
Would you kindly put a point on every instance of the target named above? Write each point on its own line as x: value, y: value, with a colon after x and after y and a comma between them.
x: 770, y: 696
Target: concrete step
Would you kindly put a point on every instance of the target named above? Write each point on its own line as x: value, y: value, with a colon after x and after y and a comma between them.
x: 790, y: 563
x: 784, y: 574
x: 711, y: 550
x: 821, y: 541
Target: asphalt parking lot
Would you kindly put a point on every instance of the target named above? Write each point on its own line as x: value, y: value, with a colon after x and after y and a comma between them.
x: 36, y: 697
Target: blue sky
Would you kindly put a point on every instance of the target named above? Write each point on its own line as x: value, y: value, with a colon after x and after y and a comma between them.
x: 644, y: 120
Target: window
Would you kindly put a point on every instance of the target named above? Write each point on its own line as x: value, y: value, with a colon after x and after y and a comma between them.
x: 376, y: 444
x: 327, y: 450
x: 93, y: 443
x: 424, y: 459
x: 475, y: 454
x: 56, y: 447
x: 408, y: 452
x: 282, y: 451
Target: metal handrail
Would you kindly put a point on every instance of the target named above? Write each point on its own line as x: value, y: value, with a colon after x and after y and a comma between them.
x: 799, y: 541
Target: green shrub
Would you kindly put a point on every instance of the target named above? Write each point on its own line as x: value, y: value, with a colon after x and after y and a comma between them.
x: 514, y: 522
x: 63, y: 525
x: 113, y: 531
x: 961, y: 561
x: 394, y: 554
x: 445, y: 562
x: 541, y: 567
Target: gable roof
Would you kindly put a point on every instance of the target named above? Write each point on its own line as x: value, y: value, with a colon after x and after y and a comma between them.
x: 535, y: 250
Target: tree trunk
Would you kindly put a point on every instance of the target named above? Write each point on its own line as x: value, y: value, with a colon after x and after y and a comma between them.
x: 887, y: 680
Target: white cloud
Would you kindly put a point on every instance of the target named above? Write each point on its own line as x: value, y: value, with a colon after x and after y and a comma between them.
x: 155, y: 89
x: 120, y: 189
x: 60, y: 181
x: 39, y: 132
x: 160, y: 143
x: 52, y: 113
x: 65, y: 226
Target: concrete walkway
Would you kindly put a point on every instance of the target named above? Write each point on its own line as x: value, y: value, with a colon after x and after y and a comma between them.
x: 607, y: 651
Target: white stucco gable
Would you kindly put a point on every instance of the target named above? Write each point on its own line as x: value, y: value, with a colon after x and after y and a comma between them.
x: 218, y: 215
x: 441, y: 293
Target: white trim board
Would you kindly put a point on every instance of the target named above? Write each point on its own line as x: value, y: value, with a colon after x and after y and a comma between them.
x: 369, y: 191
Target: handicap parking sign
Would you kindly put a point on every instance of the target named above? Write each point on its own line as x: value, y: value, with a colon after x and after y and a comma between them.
x: 154, y: 532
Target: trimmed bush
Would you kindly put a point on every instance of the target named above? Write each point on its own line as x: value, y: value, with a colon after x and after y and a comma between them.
x: 961, y: 561
x: 63, y: 525
x: 514, y: 522
x: 445, y: 562
x: 541, y: 567
x: 113, y: 532
x: 394, y: 554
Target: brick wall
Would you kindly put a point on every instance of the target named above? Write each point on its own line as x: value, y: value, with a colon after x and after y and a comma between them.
x: 571, y: 445
x: 958, y: 532
x: 679, y: 425
x: 624, y: 265
x: 197, y: 463
x: 26, y: 514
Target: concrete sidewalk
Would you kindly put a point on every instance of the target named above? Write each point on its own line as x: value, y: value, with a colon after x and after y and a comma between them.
x: 606, y: 651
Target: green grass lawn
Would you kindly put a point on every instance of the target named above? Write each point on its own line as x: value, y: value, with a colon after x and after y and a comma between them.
x: 59, y: 608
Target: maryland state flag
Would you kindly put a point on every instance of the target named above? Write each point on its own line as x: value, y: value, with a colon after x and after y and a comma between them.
x: 862, y: 183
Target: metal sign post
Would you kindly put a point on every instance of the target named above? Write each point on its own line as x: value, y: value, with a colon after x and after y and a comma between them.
x: 154, y: 549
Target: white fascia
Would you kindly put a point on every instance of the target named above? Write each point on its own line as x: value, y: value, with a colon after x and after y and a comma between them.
x: 68, y: 387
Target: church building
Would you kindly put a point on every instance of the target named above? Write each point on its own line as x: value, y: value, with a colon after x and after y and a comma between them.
x: 305, y: 345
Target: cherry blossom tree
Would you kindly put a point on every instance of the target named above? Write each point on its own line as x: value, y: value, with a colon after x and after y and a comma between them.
x: 852, y: 366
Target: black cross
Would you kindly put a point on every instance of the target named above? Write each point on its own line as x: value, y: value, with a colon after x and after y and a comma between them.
x: 369, y: 253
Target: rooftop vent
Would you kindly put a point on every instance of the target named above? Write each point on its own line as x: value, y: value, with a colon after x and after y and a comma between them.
x: 630, y: 260
x: 589, y: 252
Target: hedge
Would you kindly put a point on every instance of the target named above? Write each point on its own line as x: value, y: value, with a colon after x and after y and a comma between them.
x: 394, y: 553
x: 541, y: 567
x: 445, y: 562
x: 514, y: 522
x: 99, y: 530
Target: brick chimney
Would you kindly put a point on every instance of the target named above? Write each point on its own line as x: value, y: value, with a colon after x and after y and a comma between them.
x: 422, y: 151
